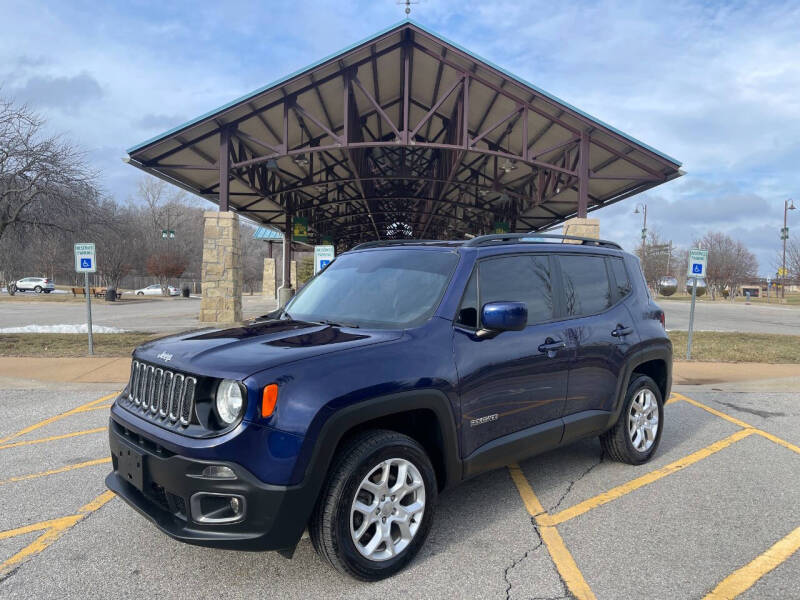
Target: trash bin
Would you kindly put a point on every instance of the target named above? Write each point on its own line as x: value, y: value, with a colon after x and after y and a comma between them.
x: 186, y: 291
x: 111, y: 295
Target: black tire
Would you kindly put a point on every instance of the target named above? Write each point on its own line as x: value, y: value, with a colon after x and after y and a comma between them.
x: 140, y: 293
x: 38, y: 289
x: 47, y: 291
x: 616, y: 441
x: 329, y: 527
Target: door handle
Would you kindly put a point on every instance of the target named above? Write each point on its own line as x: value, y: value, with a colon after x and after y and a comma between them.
x: 622, y: 331
x: 551, y: 346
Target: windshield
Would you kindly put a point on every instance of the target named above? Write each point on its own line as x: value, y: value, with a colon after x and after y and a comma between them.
x: 395, y: 288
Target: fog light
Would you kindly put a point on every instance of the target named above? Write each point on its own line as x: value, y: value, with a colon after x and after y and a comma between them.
x: 218, y: 472
x: 235, y: 505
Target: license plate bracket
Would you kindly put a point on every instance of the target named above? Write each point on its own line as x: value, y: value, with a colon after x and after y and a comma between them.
x: 130, y: 466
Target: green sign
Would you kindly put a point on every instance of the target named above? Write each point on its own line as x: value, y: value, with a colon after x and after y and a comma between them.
x: 300, y: 229
x: 500, y: 227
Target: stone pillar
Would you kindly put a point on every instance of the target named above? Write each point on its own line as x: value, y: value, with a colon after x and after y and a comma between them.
x: 222, y: 269
x: 588, y: 228
x: 268, y: 280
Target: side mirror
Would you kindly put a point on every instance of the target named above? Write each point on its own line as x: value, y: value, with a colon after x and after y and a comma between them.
x: 497, y: 317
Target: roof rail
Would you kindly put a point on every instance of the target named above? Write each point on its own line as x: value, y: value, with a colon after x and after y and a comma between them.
x: 406, y: 242
x: 534, y: 238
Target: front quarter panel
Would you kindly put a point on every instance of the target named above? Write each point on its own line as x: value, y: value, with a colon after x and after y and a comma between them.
x: 314, y: 390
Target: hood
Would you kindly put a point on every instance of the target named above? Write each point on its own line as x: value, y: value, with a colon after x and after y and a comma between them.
x: 238, y: 352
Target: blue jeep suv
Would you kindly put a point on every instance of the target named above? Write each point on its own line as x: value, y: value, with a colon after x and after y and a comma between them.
x: 400, y: 370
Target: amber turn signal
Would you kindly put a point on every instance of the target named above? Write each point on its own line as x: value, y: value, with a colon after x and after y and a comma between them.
x: 268, y: 399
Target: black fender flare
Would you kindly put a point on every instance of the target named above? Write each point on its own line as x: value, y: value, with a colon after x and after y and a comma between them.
x: 343, y: 420
x: 636, y: 358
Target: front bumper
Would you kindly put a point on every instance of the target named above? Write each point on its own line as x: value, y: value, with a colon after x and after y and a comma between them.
x: 162, y: 484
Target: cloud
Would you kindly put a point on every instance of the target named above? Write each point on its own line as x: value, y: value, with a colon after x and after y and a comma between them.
x: 159, y: 122
x: 64, y: 92
x: 712, y: 84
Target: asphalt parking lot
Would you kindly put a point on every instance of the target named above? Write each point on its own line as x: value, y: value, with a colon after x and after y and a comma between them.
x: 714, y: 515
x: 178, y: 314
x: 169, y: 315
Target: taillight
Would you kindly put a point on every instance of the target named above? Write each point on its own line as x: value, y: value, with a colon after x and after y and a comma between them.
x: 663, y: 319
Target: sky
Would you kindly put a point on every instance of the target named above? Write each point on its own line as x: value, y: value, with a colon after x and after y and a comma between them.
x: 714, y: 84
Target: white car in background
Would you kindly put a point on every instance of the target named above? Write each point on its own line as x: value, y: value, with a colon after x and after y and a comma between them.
x: 155, y: 290
x: 35, y: 284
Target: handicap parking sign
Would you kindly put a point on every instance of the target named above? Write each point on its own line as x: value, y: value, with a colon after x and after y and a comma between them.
x: 85, y: 258
x: 323, y: 264
x: 697, y: 268
x: 86, y: 263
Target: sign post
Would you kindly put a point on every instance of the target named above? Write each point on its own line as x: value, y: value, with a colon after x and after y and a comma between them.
x: 86, y: 262
x: 698, y: 264
x: 323, y: 255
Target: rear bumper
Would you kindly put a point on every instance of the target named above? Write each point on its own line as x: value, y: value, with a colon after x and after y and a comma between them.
x: 273, y: 516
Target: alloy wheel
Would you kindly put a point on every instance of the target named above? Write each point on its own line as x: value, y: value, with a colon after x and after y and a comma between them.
x: 643, y: 420
x: 387, y: 510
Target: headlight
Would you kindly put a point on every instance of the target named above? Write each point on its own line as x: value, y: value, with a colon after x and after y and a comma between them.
x: 229, y: 401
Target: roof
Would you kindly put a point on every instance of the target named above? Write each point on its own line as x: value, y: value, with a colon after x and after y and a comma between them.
x: 404, y: 134
x: 267, y: 233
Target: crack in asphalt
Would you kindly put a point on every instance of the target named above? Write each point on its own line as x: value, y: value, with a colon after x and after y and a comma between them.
x: 574, y: 481
x: 516, y: 561
x: 565, y: 595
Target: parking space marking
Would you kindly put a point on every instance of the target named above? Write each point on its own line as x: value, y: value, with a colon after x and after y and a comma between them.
x: 53, y: 438
x: 561, y: 556
x: 76, y: 410
x: 53, y: 530
x: 64, y: 469
x: 722, y: 415
x: 648, y: 478
x: 744, y: 578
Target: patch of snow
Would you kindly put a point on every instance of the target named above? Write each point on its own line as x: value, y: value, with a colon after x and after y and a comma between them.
x: 82, y: 328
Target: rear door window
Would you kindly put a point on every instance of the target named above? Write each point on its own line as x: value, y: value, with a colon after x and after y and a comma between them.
x: 519, y: 278
x: 587, y: 289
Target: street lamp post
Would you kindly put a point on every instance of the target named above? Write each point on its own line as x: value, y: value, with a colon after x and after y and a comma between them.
x: 787, y: 206
x: 644, y: 225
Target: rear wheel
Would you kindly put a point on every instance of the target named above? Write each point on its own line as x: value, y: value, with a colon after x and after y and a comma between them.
x: 637, y: 433
x: 140, y: 293
x: 376, y: 508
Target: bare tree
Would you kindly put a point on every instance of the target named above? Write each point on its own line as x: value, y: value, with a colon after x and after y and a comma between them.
x: 43, y: 179
x: 729, y: 262
x: 165, y: 266
x: 657, y: 261
x: 793, y: 259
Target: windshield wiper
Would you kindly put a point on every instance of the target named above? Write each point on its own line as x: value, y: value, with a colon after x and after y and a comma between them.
x: 335, y: 324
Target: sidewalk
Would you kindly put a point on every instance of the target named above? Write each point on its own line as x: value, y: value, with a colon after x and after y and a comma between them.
x: 117, y: 370
x: 67, y: 370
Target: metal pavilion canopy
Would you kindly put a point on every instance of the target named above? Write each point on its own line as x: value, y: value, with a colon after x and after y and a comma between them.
x: 404, y: 135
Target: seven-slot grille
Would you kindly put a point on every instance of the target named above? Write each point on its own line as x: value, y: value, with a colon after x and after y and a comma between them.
x: 162, y: 394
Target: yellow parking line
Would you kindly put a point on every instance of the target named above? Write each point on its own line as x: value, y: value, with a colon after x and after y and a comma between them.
x: 64, y: 469
x: 626, y: 488
x: 761, y: 432
x: 562, y: 558
x: 714, y: 411
x: 54, y: 529
x: 52, y: 438
x: 743, y: 579
x: 49, y: 420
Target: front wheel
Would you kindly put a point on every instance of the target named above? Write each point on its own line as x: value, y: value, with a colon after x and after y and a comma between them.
x: 140, y: 293
x: 38, y: 289
x: 376, y: 508
x: 635, y: 436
